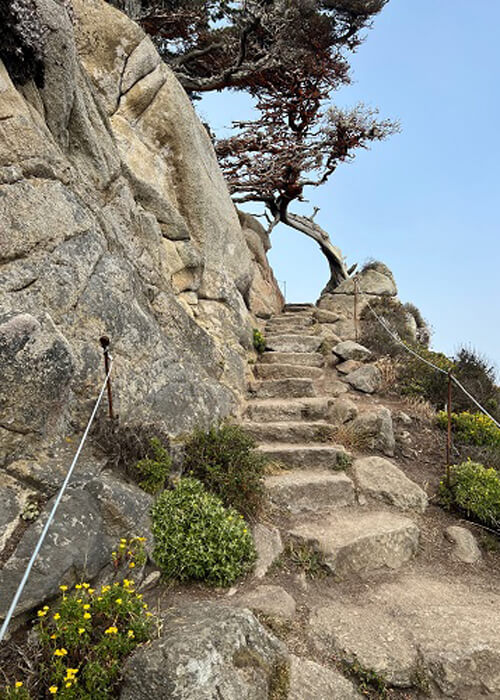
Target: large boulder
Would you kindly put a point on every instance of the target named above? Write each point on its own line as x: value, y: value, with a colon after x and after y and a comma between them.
x: 206, y: 651
x: 376, y: 429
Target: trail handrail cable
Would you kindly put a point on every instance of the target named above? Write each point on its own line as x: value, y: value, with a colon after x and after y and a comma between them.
x: 43, y: 534
x: 430, y: 364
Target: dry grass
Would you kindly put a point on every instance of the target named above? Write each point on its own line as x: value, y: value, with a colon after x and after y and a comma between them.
x: 389, y: 368
x: 419, y: 408
x: 353, y: 438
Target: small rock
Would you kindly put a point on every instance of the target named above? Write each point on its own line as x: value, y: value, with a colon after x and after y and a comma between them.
x: 150, y: 581
x: 466, y: 548
x: 269, y: 546
x: 348, y: 366
x: 349, y: 350
x: 383, y: 481
x: 405, y: 418
x: 270, y: 600
x: 342, y: 410
x: 366, y: 379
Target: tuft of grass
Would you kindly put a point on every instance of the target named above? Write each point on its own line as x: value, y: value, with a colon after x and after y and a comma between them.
x: 307, y: 559
x: 369, y: 682
x: 352, y: 438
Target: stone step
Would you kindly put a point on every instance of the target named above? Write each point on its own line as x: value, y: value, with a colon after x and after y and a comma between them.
x: 286, y: 342
x: 290, y: 409
x: 310, y: 359
x: 287, y: 329
x: 299, y: 307
x: 359, y: 541
x: 291, y: 432
x: 282, y: 388
x: 295, y: 320
x: 312, y: 490
x: 276, y: 371
x: 296, y: 456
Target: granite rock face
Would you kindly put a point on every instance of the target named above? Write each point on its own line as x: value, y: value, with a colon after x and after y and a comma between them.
x: 115, y: 219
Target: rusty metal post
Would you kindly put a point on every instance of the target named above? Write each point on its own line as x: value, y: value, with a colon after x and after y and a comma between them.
x: 448, y: 439
x: 105, y: 342
x: 356, y: 331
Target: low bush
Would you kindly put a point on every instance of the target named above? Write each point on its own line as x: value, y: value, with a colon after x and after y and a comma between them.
x: 140, y: 452
x: 224, y: 459
x: 396, y: 317
x: 259, y: 342
x: 475, y: 489
x: 419, y: 379
x: 478, y: 376
x: 153, y: 471
x: 83, y: 641
x: 471, y: 428
x: 197, y: 538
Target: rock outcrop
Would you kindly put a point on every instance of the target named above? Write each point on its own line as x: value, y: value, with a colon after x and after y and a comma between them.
x: 115, y: 219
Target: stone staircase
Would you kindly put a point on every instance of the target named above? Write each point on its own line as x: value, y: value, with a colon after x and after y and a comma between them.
x: 290, y: 415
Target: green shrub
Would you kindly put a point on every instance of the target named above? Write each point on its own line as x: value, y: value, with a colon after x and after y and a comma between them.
x: 83, y: 642
x: 196, y: 537
x: 475, y: 489
x: 478, y: 376
x: 224, y: 459
x: 259, y: 342
x: 471, y: 428
x: 154, y: 470
x: 415, y: 378
x: 373, y: 334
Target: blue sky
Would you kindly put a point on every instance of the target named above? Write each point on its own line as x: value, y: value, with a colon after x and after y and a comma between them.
x: 426, y: 202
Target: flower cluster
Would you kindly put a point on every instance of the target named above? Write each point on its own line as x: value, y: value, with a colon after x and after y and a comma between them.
x: 471, y: 428
x: 130, y: 553
x: 84, y: 639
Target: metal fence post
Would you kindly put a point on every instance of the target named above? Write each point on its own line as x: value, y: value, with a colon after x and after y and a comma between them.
x: 448, y: 439
x: 105, y: 343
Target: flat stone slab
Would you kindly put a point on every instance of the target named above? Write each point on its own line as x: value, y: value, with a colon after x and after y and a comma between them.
x: 466, y: 548
x: 348, y: 366
x: 270, y: 600
x: 306, y: 456
x: 269, y: 545
x: 291, y: 409
x: 382, y: 480
x: 282, y: 388
x: 311, y: 490
x: 310, y: 681
x: 420, y: 626
x: 276, y: 371
x: 293, y: 343
x: 359, y: 542
x: 291, y: 432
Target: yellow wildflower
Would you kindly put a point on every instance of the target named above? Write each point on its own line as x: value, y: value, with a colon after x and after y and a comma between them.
x: 60, y: 652
x: 81, y: 630
x: 57, y: 616
x: 41, y: 613
x: 53, y: 636
x: 69, y: 684
x: 78, y: 586
x: 87, y: 616
x: 63, y: 588
x: 19, y: 684
x: 111, y: 630
x: 86, y: 606
x: 131, y: 565
x: 118, y: 601
x: 53, y: 689
x: 86, y: 585
x: 130, y: 634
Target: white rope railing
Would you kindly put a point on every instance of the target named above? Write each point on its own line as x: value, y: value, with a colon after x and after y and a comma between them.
x: 43, y: 534
x: 423, y: 359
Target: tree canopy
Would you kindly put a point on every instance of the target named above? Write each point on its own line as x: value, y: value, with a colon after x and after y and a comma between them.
x: 291, y: 56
